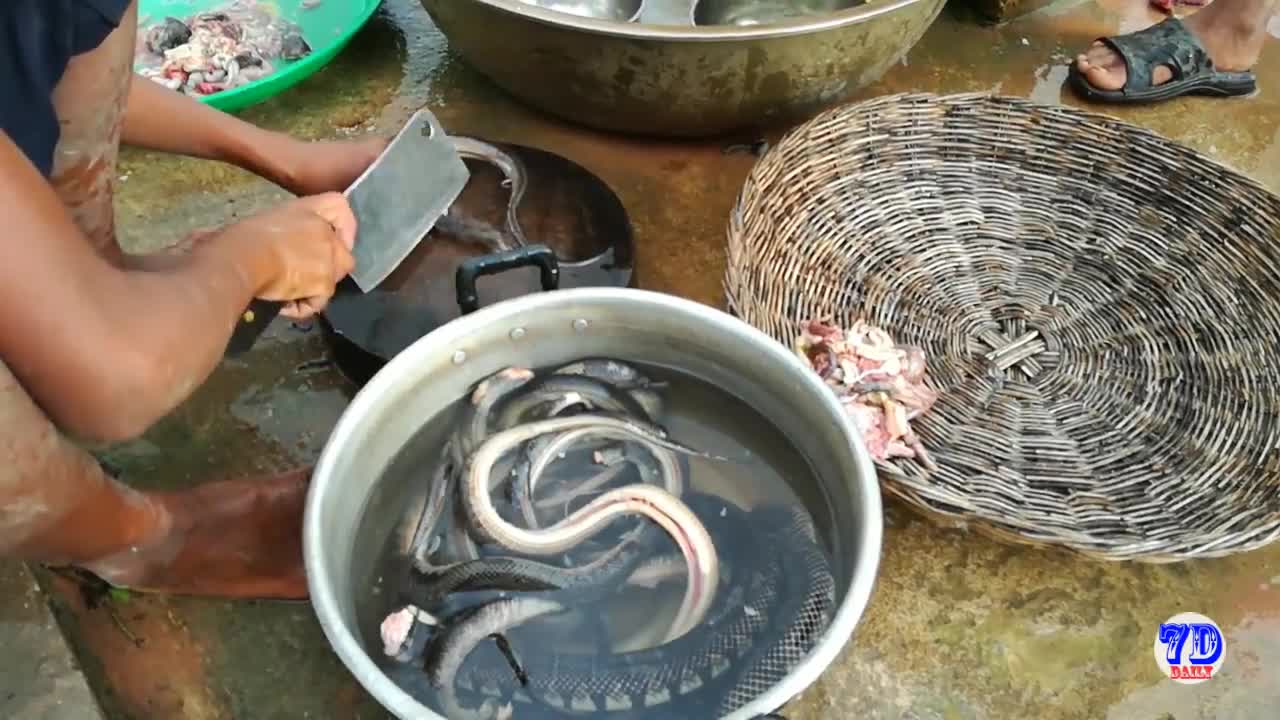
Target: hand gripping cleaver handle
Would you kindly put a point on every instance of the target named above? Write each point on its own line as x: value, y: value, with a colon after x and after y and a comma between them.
x: 421, y: 142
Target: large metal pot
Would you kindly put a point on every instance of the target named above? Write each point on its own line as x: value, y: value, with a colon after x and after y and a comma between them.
x: 371, y: 469
x: 680, y: 81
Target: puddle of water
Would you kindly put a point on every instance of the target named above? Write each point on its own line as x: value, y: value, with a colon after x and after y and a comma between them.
x: 1267, y: 167
x: 1049, y: 82
x: 293, y: 414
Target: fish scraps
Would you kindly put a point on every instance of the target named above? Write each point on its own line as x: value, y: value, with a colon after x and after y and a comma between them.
x: 880, y: 383
x: 218, y: 50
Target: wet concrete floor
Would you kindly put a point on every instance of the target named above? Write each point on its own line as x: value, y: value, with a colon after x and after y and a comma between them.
x: 960, y: 627
x: 40, y: 678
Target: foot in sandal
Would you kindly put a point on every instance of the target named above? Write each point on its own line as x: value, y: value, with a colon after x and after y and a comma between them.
x: 1210, y: 53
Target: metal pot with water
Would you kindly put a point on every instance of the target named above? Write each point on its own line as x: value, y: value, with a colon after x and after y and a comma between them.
x: 724, y: 576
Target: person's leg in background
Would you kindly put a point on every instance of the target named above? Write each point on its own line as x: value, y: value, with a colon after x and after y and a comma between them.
x: 1212, y: 51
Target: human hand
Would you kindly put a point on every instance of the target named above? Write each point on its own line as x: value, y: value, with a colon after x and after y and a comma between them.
x: 328, y: 166
x: 303, y: 249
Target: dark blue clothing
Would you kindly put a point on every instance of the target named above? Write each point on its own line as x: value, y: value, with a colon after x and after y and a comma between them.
x: 37, y: 40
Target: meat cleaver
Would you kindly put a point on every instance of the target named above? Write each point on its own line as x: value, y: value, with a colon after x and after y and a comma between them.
x: 396, y: 203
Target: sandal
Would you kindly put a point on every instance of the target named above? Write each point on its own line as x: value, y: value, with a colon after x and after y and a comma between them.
x: 1170, y: 44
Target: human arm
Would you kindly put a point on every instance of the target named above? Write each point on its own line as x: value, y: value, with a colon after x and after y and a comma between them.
x: 153, y: 114
x: 106, y: 351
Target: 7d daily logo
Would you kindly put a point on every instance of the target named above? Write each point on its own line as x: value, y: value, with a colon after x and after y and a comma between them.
x: 1189, y: 648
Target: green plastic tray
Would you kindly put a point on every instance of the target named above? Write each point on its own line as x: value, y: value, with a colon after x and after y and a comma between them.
x: 327, y: 28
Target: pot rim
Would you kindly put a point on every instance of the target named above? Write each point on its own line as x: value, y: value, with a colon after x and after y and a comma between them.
x: 705, y: 33
x: 865, y: 558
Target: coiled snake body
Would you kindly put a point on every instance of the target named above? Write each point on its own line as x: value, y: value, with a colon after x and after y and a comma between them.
x: 771, y: 598
x: 775, y: 606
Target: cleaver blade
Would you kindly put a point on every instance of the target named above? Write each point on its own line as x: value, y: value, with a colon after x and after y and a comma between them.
x: 402, y: 195
x: 396, y: 201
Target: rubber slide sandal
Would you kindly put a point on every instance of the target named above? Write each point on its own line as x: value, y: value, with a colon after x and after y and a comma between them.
x: 1170, y: 44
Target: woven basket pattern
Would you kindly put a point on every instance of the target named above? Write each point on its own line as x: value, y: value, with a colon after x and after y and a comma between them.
x: 1100, y: 307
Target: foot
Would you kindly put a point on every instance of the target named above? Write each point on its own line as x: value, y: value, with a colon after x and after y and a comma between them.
x: 233, y: 539
x: 1233, y: 47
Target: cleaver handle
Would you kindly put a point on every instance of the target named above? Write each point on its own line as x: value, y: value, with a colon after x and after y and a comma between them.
x: 252, y: 322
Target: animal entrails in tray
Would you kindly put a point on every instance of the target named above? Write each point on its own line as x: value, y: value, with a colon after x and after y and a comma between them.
x: 218, y: 50
x: 881, y: 384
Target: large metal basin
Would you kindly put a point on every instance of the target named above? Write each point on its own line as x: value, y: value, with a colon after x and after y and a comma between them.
x: 371, y: 478
x: 680, y: 81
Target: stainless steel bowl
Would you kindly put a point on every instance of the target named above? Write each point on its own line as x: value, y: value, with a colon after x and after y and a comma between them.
x: 682, y: 80
x: 369, y: 477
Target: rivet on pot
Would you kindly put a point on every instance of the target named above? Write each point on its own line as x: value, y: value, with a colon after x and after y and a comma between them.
x: 517, y: 333
x: 580, y: 325
x: 459, y: 357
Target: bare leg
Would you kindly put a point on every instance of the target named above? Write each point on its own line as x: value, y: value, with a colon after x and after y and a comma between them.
x: 235, y: 539
x: 1232, y: 31
x: 56, y: 503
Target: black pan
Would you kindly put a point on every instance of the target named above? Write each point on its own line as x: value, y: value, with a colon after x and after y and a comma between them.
x: 578, y: 234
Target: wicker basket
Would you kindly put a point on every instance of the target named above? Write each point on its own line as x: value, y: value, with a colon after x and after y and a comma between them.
x: 1137, y: 420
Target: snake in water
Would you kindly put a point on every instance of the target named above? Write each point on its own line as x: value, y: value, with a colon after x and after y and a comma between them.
x: 771, y: 610
x: 655, y: 503
x: 745, y: 631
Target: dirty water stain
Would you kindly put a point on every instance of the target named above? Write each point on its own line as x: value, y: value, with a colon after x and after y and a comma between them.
x: 294, y: 410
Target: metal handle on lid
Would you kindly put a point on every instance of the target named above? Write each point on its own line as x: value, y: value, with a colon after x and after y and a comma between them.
x: 473, y: 268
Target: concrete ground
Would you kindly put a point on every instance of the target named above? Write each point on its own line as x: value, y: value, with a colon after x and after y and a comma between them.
x: 40, y: 678
x: 960, y: 627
